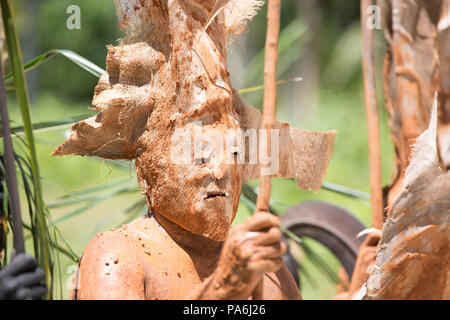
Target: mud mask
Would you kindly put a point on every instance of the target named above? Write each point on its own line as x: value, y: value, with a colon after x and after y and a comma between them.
x: 167, y: 74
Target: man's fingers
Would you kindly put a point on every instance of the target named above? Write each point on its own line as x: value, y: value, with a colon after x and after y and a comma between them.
x: 272, y: 236
x: 263, y: 266
x: 20, y: 264
x: 262, y: 244
x: 268, y: 253
x: 29, y: 279
x: 261, y: 221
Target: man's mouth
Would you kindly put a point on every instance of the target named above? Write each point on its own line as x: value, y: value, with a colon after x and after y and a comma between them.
x: 215, y: 194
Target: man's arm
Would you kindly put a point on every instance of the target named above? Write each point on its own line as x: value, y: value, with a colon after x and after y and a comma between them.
x: 109, y: 270
x: 251, y: 250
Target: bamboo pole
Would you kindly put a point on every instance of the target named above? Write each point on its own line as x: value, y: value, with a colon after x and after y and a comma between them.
x: 372, y: 118
x: 270, y: 103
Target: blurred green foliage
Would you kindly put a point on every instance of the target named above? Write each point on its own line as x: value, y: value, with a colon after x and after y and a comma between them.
x: 64, y: 90
x: 98, y: 29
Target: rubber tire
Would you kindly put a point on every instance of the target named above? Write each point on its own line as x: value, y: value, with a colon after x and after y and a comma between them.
x: 328, y: 224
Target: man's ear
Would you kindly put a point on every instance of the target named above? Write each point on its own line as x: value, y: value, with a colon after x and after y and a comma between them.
x: 303, y: 154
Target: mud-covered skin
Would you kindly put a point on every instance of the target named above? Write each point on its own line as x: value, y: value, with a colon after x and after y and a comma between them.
x: 168, y: 74
x: 22, y: 280
x: 143, y: 261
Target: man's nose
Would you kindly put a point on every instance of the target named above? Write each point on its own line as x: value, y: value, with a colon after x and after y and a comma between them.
x: 219, y: 169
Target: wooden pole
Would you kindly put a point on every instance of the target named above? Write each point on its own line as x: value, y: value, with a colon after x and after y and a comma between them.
x: 270, y: 94
x: 11, y: 178
x: 270, y: 104
x: 372, y: 119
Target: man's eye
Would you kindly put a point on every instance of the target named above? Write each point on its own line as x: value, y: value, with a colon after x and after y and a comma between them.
x: 203, y: 157
x: 201, y: 160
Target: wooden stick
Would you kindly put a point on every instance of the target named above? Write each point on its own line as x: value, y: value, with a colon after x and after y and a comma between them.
x: 11, y: 178
x: 372, y: 119
x: 270, y: 103
x: 270, y: 94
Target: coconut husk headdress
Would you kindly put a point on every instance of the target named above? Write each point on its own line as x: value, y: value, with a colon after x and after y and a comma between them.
x: 170, y: 66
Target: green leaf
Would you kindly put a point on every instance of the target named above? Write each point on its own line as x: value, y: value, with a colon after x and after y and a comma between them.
x: 345, y: 191
x: 66, y: 251
x: 95, y: 201
x: 15, y: 57
x: 72, y: 56
x: 261, y: 87
x: 51, y: 125
x: 288, y: 37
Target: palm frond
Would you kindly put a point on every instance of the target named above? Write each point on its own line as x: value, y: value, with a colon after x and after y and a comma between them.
x: 50, y: 125
x: 345, y: 191
x: 132, y: 212
x: 67, y: 251
x: 82, y: 62
x: 261, y: 87
x: 42, y: 245
x: 295, y: 31
x: 93, y: 201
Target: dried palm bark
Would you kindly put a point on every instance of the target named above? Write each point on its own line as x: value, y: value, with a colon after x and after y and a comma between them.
x: 413, y: 257
x: 444, y: 58
x: 416, y: 65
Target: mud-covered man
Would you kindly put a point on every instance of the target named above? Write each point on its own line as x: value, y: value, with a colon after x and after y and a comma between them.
x: 169, y: 74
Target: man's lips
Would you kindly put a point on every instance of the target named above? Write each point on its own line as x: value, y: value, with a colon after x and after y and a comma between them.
x: 215, y: 194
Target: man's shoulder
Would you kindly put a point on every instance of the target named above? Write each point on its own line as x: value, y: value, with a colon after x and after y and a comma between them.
x: 115, y: 238
x: 111, y: 239
x: 126, y: 240
x: 105, y: 268
x: 109, y: 245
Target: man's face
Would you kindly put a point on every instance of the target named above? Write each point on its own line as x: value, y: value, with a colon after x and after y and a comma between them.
x: 196, y: 179
x: 198, y: 190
